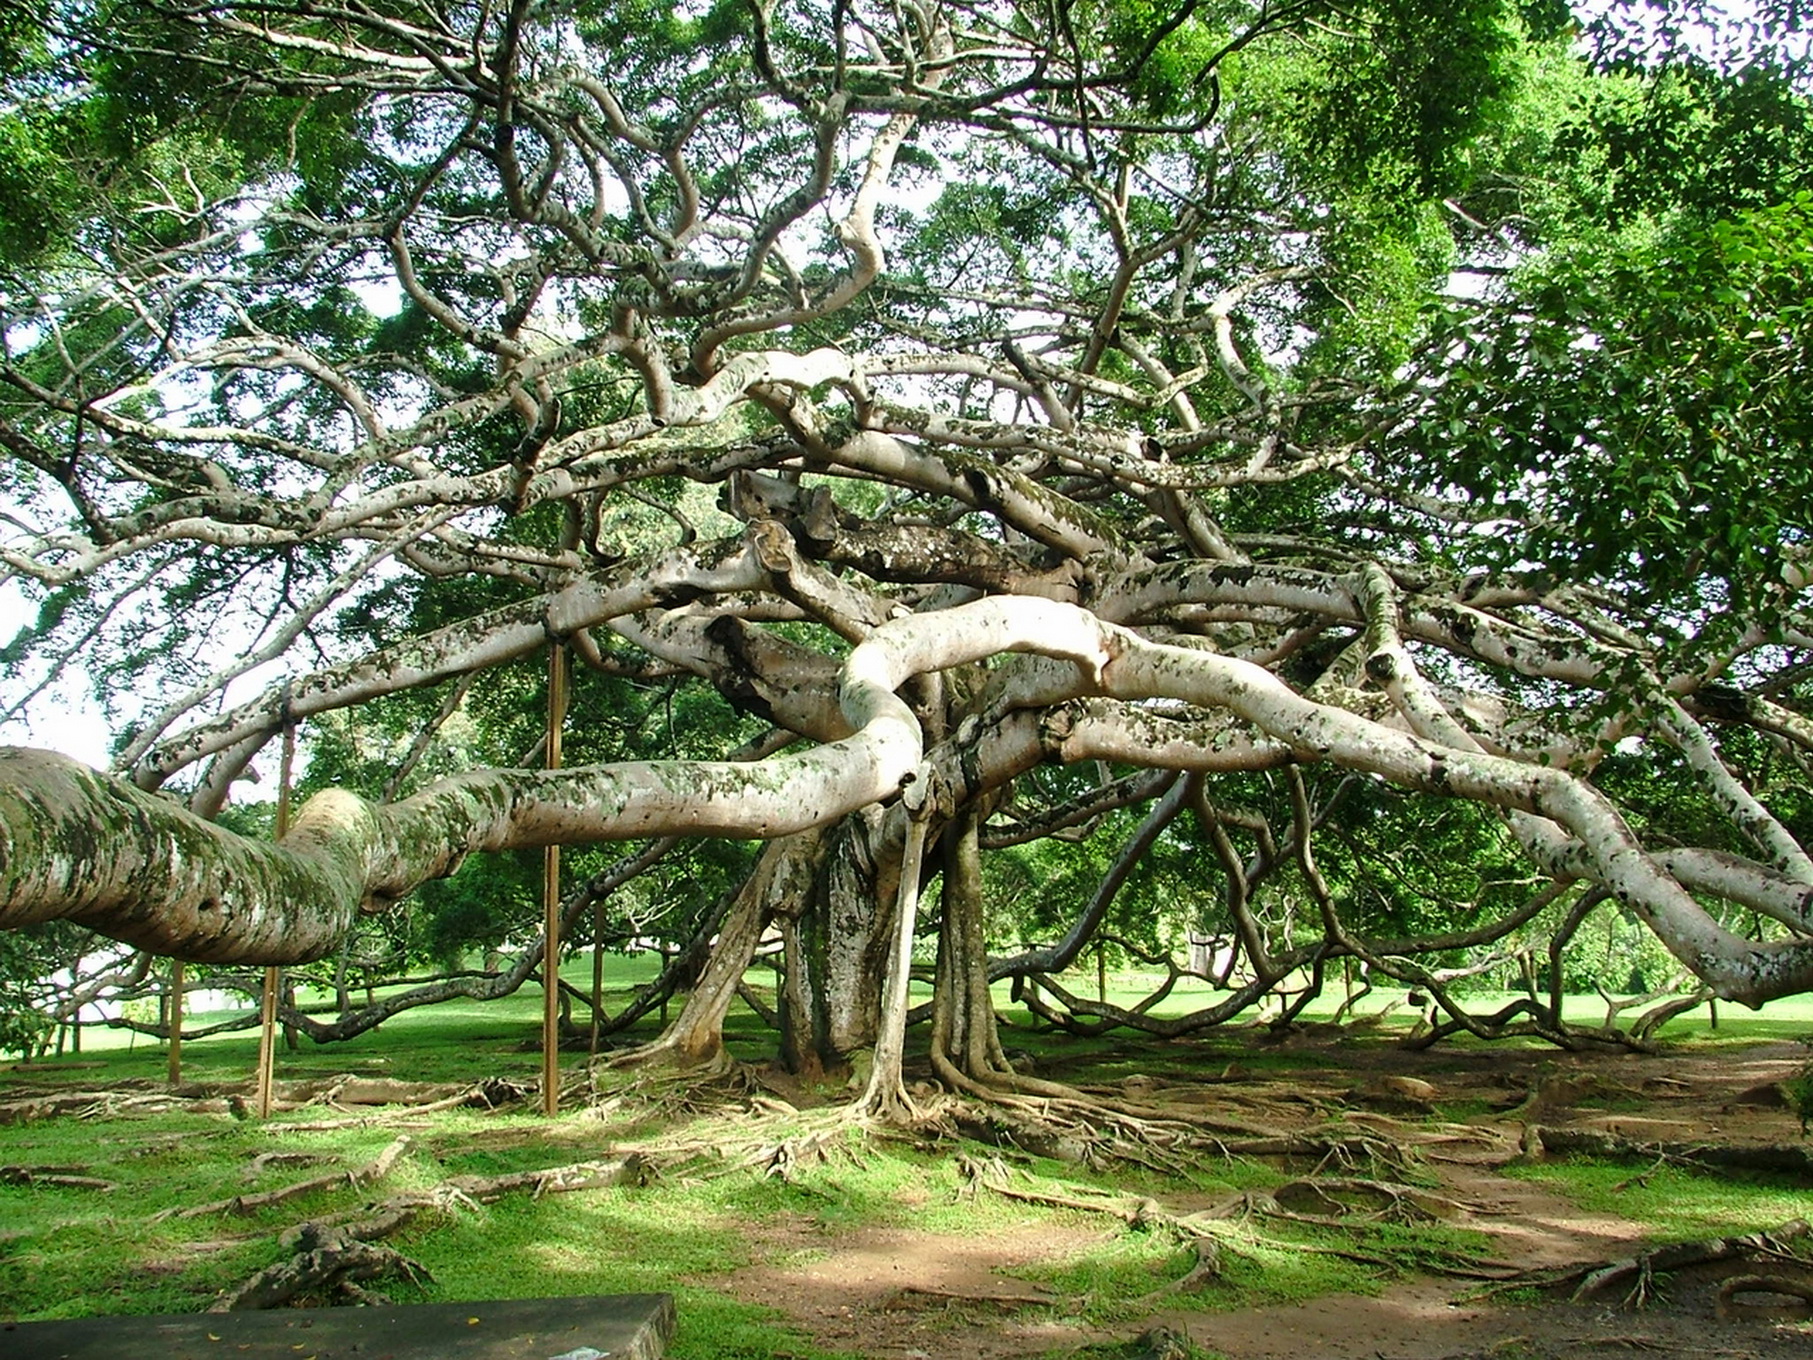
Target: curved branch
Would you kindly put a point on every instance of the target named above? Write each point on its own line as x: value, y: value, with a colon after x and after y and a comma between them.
x: 77, y: 845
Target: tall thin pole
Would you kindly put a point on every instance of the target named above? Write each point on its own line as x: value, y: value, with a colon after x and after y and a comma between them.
x: 267, y: 1009
x: 550, y: 900
x: 267, y: 1046
x: 173, y: 1014
x: 597, y: 972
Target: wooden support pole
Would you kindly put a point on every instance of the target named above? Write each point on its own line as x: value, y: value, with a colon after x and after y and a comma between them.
x: 173, y: 1017
x: 267, y: 1045
x: 550, y: 898
x: 597, y: 973
x: 267, y: 1008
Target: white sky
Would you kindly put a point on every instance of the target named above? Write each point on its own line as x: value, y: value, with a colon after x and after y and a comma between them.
x: 66, y: 718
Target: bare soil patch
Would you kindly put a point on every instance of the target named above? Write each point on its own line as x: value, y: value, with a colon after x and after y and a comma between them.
x: 906, y: 1293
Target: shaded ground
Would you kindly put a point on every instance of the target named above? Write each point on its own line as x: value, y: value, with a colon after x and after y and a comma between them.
x: 923, y: 1296
x: 627, y: 1327
x: 866, y: 1245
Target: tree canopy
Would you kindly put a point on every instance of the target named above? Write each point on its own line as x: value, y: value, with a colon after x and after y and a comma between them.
x: 1347, y: 462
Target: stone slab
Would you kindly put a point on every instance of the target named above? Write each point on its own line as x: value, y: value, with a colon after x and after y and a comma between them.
x: 588, y: 1327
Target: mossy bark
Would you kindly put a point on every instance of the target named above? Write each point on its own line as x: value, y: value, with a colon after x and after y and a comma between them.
x: 836, y: 942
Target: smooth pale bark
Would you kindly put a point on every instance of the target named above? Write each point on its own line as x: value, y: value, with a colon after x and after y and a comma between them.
x: 1150, y: 591
x: 78, y: 845
x: 696, y: 1037
x: 965, y: 1037
x: 487, y: 639
x: 1736, y: 968
x: 887, y: 1093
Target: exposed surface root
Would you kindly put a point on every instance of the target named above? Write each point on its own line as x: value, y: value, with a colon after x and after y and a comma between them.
x: 1339, y: 1200
x: 786, y: 1159
x: 1793, y: 1158
x: 1798, y: 1286
x: 327, y: 1261
x: 332, y: 1258
x: 387, y: 1099
x: 1206, y: 1269
x: 1145, y: 1215
x: 247, y: 1205
x: 1639, y: 1273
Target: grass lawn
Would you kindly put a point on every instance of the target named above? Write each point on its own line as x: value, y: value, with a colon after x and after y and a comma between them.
x: 711, y: 1216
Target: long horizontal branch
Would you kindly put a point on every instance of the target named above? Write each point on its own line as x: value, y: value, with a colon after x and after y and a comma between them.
x: 78, y: 845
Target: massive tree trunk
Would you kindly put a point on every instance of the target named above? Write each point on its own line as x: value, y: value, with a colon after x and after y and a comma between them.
x: 835, y: 941
x: 77, y: 845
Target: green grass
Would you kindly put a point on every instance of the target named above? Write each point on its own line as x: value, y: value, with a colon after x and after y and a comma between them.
x: 1676, y: 1204
x: 439, y: 1038
x: 66, y: 1256
x: 63, y: 1251
x: 658, y: 1241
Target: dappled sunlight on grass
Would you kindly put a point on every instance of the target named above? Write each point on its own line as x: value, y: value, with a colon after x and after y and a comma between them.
x: 1674, y: 1203
x: 716, y: 1232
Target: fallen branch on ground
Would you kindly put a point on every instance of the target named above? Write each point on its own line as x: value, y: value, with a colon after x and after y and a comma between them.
x: 66, y: 1176
x: 326, y: 1259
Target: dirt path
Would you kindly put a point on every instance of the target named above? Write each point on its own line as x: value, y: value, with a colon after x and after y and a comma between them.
x: 905, y: 1295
